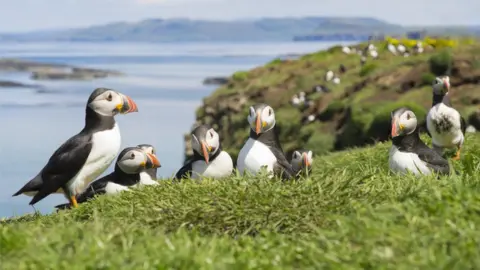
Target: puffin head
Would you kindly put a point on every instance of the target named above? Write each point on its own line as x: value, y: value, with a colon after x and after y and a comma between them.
x: 205, y: 141
x: 302, y: 159
x: 147, y: 148
x: 441, y: 85
x: 261, y: 118
x: 134, y: 160
x: 404, y: 122
x: 108, y: 102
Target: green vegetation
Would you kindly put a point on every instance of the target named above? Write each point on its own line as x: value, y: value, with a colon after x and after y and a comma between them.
x: 355, y: 112
x: 351, y: 214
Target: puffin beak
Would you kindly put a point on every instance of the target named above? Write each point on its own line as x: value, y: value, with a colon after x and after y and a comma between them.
x: 394, y: 128
x: 305, y: 160
x: 152, y: 162
x: 447, y: 85
x: 206, y: 149
x: 258, y: 124
x: 127, y: 105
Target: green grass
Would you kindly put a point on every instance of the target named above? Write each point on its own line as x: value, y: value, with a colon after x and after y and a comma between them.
x: 351, y: 214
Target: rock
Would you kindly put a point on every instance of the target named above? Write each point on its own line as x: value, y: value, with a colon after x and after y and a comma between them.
x: 215, y: 81
x: 48, y: 71
x: 17, y: 84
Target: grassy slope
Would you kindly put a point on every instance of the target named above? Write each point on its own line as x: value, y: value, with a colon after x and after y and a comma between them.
x: 371, y: 104
x: 351, y: 214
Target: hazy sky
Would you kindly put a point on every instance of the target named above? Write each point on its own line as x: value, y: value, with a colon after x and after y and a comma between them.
x: 25, y: 15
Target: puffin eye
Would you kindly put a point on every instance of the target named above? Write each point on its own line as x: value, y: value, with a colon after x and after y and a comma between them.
x: 132, y: 155
x: 408, y: 116
x: 211, y: 134
x: 269, y: 112
x: 109, y: 97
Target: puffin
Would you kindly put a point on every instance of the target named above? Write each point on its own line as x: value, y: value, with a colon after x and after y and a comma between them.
x: 263, y: 149
x: 408, y: 151
x: 209, y: 159
x: 445, y: 124
x: 149, y: 176
x: 86, y: 155
x: 301, y: 162
x: 131, y: 163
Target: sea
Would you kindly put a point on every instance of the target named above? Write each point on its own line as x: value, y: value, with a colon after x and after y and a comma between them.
x: 164, y: 79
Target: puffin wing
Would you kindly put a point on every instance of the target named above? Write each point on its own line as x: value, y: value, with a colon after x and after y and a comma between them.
x: 282, y: 167
x: 463, y: 124
x: 63, y: 165
x: 185, y: 171
x: 433, y: 160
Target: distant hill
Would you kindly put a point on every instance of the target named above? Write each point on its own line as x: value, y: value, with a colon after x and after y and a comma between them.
x: 170, y: 30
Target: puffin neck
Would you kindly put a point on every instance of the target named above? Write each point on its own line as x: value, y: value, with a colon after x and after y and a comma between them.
x: 407, y: 142
x: 441, y: 98
x: 124, y: 179
x: 197, y: 156
x: 97, y: 122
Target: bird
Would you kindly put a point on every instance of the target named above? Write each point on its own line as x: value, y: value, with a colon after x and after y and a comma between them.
x: 209, y: 159
x: 408, y: 152
x: 401, y: 48
x: 263, y: 149
x: 336, y: 80
x: 295, y: 100
x: 374, y: 54
x: 86, y: 155
x: 392, y: 48
x: 148, y: 177
x: 131, y: 163
x: 445, y: 125
x: 329, y: 75
x: 342, y: 69
x: 346, y: 50
x: 301, y: 162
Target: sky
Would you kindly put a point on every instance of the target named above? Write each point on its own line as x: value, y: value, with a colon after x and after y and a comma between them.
x: 30, y: 15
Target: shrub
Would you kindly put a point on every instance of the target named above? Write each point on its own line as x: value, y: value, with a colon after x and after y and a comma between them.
x: 274, y: 62
x: 367, y: 69
x: 440, y: 63
x: 240, y: 75
x: 427, y: 78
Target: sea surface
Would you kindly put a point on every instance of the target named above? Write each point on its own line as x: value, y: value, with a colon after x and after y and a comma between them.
x: 165, y: 80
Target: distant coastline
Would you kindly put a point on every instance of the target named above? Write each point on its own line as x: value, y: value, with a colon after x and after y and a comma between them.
x: 264, y: 29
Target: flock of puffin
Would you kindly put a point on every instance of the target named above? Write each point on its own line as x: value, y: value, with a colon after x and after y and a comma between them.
x: 75, y: 165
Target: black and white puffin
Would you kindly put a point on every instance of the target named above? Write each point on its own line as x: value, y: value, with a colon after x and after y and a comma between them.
x: 86, y: 155
x: 149, y: 176
x: 131, y: 163
x: 408, y: 151
x: 445, y: 124
x: 263, y: 148
x: 209, y: 160
x: 302, y: 161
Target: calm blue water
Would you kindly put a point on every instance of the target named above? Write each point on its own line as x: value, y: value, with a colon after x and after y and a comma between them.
x: 165, y: 80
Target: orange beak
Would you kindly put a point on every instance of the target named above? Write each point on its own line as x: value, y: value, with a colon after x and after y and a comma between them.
x: 394, y: 129
x: 258, y: 124
x: 127, y: 106
x: 152, y: 162
x: 205, y: 152
x: 447, y: 85
x: 305, y: 160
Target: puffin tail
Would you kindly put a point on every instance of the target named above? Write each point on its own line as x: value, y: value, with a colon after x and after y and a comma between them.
x: 63, y: 206
x: 33, y: 185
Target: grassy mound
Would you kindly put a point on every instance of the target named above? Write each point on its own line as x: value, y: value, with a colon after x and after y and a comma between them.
x: 351, y: 214
x: 356, y: 112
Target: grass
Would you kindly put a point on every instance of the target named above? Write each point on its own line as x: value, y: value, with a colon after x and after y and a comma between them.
x: 350, y: 214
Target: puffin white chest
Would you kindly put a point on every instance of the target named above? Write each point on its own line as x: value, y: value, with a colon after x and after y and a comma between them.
x: 114, y: 188
x: 444, y: 124
x: 255, y: 155
x: 146, y: 179
x: 403, y: 162
x: 221, y: 166
x: 105, y: 147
